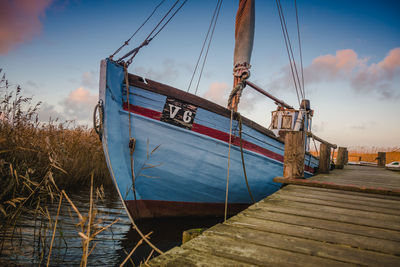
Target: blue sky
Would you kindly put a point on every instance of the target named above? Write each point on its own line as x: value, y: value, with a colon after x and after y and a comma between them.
x: 351, y: 56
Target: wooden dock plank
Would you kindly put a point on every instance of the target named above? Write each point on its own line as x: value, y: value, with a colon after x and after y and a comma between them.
x: 367, y: 175
x: 332, y: 209
x: 187, y: 257
x: 311, y: 213
x: 349, y: 194
x: 304, y: 246
x: 260, y: 255
x: 335, y: 203
x: 334, y: 237
x: 333, y: 195
x: 344, y: 227
x: 306, y: 226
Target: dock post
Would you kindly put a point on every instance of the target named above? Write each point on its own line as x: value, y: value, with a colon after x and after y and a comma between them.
x: 324, y: 158
x: 381, y: 159
x: 293, y: 163
x: 341, y: 158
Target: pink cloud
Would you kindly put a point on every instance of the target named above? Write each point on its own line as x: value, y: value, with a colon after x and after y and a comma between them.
x: 347, y: 66
x: 391, y: 62
x: 19, y: 21
x: 219, y: 93
x: 379, y: 76
x: 344, y: 60
x: 79, y: 104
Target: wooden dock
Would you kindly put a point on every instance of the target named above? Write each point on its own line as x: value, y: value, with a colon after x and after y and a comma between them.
x: 307, y: 225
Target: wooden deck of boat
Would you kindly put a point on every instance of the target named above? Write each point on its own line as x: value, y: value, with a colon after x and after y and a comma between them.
x: 306, y: 226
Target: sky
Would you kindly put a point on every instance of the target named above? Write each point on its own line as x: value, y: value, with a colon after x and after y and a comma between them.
x: 351, y: 58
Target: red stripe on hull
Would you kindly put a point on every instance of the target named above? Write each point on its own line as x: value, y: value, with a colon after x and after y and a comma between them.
x: 235, y: 141
x: 152, y: 114
x: 309, y: 169
x: 222, y: 136
x: 143, y: 209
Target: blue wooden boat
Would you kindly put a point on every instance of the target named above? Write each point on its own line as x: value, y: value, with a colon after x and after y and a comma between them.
x: 168, y: 150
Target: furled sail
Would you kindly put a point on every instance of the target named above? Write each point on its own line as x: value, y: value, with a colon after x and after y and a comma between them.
x: 244, y: 36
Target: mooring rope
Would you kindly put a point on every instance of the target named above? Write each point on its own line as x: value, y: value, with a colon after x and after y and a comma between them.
x: 241, y: 153
x: 132, y: 141
x: 229, y: 159
x: 132, y: 148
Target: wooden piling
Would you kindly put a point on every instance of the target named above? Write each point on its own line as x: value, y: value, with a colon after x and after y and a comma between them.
x: 381, y: 159
x: 191, y: 233
x: 293, y: 165
x: 340, y: 158
x: 324, y: 158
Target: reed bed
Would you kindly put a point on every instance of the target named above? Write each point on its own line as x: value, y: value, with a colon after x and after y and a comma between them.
x: 38, y: 160
x: 35, y: 159
x: 369, y: 154
x: 33, y: 148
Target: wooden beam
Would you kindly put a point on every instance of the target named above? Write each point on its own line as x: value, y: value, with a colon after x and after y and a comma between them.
x: 262, y: 91
x: 310, y: 134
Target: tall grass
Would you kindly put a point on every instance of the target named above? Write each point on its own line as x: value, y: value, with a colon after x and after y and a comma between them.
x: 33, y: 148
x: 369, y: 154
x: 37, y: 158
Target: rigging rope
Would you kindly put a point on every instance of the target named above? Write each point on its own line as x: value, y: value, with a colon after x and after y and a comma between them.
x: 301, y: 55
x: 165, y: 24
x: 204, y: 44
x: 130, y: 38
x: 238, y: 89
x: 149, y: 37
x: 289, y: 51
x: 208, y: 47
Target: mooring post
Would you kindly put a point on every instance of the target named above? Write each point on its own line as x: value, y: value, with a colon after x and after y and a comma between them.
x: 346, y: 157
x: 381, y: 159
x: 293, y: 163
x: 324, y: 158
x: 340, y: 158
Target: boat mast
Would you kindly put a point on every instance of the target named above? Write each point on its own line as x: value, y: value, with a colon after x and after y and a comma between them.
x: 244, y: 36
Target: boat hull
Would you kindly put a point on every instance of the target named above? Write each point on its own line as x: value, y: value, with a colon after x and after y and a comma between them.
x: 182, y: 149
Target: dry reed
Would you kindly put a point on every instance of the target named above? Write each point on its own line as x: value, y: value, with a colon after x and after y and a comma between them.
x: 35, y: 157
x: 61, y: 150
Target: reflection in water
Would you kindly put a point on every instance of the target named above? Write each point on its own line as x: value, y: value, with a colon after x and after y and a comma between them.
x: 29, y: 243
x: 167, y: 233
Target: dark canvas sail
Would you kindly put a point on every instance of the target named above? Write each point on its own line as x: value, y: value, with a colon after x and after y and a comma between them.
x: 244, y: 36
x: 244, y: 32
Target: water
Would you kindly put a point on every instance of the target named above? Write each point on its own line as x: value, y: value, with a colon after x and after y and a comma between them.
x: 31, y: 239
